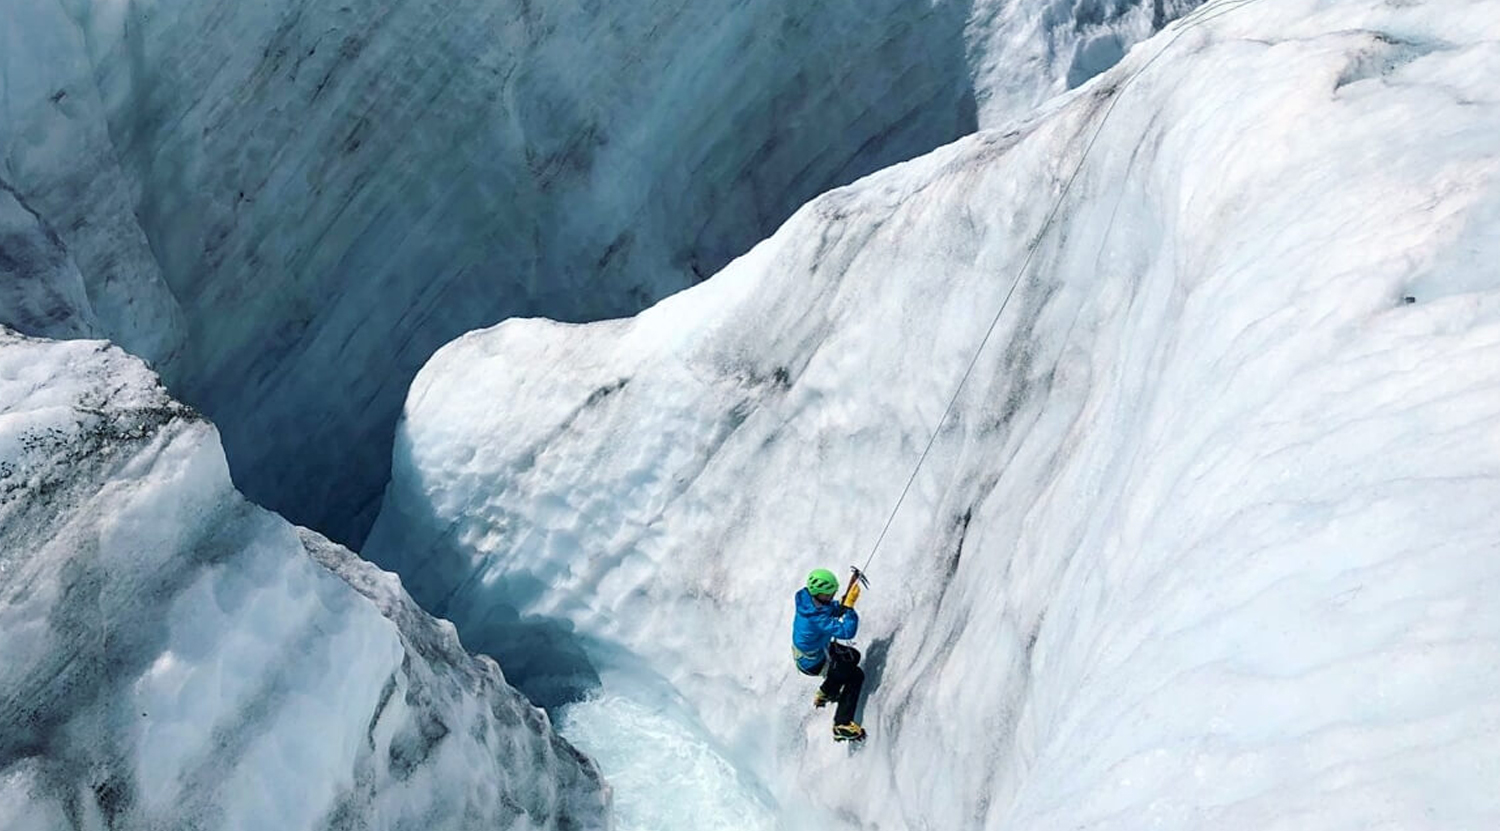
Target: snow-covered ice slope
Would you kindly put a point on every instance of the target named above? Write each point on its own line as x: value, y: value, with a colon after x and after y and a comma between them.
x: 334, y: 190
x: 172, y: 656
x: 1209, y: 540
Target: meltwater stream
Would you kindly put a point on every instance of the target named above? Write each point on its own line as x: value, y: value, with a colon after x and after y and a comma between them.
x: 666, y: 775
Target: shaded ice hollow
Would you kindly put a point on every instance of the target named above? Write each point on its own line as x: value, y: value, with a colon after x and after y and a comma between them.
x: 1209, y: 539
x: 175, y: 657
x: 288, y: 206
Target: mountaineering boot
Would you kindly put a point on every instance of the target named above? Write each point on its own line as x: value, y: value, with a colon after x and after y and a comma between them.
x: 850, y: 732
x: 819, y: 698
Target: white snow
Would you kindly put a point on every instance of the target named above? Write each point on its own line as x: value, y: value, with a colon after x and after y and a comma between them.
x: 1209, y: 540
x: 333, y: 190
x: 175, y: 657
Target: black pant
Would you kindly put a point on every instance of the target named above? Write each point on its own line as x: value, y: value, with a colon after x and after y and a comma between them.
x: 843, y: 684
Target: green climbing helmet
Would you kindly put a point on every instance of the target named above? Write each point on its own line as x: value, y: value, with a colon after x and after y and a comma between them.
x: 822, y: 581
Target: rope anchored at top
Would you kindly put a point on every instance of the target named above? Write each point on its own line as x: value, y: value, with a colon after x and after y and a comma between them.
x: 1201, y: 16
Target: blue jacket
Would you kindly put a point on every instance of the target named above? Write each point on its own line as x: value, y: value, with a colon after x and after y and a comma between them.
x: 816, y: 626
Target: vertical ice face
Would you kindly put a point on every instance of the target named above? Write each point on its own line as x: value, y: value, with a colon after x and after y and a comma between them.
x: 175, y: 657
x: 60, y: 173
x: 41, y: 290
x: 333, y: 190
x: 1208, y: 539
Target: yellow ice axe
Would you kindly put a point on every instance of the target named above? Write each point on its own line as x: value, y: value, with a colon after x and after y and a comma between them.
x: 851, y: 594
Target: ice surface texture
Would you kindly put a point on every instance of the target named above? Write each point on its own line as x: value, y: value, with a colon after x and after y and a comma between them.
x: 1209, y: 541
x: 41, y: 290
x: 172, y: 657
x: 334, y: 190
x: 67, y: 199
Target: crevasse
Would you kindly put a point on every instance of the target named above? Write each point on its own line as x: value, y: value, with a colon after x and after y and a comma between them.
x: 1206, y: 540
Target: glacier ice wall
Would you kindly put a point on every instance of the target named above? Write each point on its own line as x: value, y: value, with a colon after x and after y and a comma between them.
x: 1024, y: 53
x: 67, y: 200
x: 175, y: 657
x: 332, y: 191
x: 41, y: 289
x: 1208, y: 539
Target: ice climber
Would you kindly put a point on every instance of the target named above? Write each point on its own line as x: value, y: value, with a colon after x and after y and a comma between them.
x: 819, y: 621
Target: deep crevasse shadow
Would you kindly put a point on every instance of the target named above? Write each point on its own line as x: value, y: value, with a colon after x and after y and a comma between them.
x: 544, y: 658
x: 326, y: 235
x: 541, y: 657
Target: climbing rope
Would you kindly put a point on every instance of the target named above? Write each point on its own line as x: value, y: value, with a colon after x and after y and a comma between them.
x: 1203, y: 14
